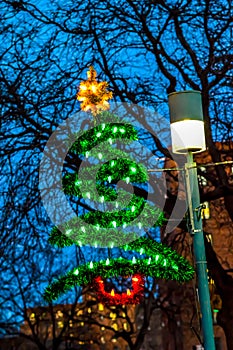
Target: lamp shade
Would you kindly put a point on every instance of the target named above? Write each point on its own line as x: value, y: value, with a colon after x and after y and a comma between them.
x: 187, y: 125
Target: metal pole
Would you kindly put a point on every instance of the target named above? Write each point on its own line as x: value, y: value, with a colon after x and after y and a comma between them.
x: 199, y: 252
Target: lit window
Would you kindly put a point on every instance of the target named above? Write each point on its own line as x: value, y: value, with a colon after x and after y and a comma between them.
x: 89, y: 310
x: 82, y: 324
x: 115, y: 326
x: 205, y: 212
x: 59, y: 314
x: 102, y: 340
x: 60, y: 324
x: 101, y: 307
x: 71, y: 335
x: 125, y: 326
x: 102, y: 328
x: 32, y: 316
x: 114, y: 340
x: 113, y: 315
x: 80, y: 312
x: 123, y: 314
x: 81, y: 342
x: 70, y: 323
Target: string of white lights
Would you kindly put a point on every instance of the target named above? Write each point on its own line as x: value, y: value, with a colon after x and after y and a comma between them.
x: 193, y: 166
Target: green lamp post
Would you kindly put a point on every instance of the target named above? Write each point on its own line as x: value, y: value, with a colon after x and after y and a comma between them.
x: 188, y: 137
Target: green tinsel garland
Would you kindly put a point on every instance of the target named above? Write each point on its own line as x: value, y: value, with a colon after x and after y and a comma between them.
x: 96, y: 236
x: 91, y: 138
x: 159, y: 261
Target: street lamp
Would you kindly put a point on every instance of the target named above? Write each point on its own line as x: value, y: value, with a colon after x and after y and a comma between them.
x: 188, y: 137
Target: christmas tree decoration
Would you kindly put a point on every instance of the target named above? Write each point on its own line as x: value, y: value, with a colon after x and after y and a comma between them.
x: 93, y: 95
x: 115, y: 216
x: 157, y: 261
x: 131, y: 296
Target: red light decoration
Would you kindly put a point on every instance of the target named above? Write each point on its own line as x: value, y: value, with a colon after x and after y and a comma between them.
x: 133, y: 296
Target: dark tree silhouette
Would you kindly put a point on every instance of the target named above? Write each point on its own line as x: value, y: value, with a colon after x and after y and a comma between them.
x: 145, y: 49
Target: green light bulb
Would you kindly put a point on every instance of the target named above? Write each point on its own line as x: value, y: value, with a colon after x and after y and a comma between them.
x: 98, y: 134
x: 164, y: 262
x: 91, y: 265
x: 149, y: 260
x: 83, y: 229
x: 100, y: 155
x: 134, y: 260
x: 133, y: 169
x: 115, y: 129
x: 110, y: 141
x: 68, y: 232
x: 76, y: 272
x: 88, y: 195
x: 107, y: 261
x: 103, y: 126
x: 114, y: 224
x: 112, y: 163
x: 127, y: 180
x: 122, y: 130
x: 109, y: 179
x: 156, y: 257
x: 133, y: 208
x: 102, y: 199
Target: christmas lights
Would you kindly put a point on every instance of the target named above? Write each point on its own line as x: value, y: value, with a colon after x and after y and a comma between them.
x: 97, y: 181
x: 159, y: 261
x: 133, y: 296
x: 93, y: 95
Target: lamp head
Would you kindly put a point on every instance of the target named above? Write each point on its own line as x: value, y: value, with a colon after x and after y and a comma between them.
x: 187, y: 125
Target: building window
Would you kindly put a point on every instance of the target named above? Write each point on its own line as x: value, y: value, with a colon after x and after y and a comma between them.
x: 60, y: 324
x: 205, y: 212
x: 102, y: 328
x: 125, y: 326
x: 101, y: 307
x: 113, y: 315
x: 59, y: 314
x: 80, y: 312
x: 115, y: 326
x: 70, y: 323
x: 89, y: 310
x: 102, y: 340
x: 32, y: 317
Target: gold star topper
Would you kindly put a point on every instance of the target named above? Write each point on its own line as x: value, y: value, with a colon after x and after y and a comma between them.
x: 93, y: 95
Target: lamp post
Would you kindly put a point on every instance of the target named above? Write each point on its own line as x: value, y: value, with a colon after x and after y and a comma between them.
x: 188, y: 137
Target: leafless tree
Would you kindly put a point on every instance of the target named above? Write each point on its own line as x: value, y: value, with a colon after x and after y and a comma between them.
x: 145, y: 49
